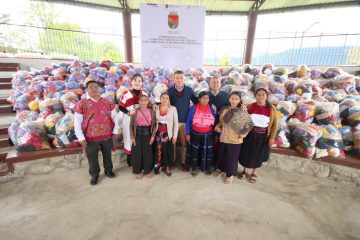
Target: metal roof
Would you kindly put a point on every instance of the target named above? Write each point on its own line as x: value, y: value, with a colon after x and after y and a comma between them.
x: 216, y: 6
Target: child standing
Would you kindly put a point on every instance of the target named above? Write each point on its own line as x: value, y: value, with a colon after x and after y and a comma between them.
x: 256, y: 147
x: 234, y: 124
x: 129, y: 101
x: 199, y: 135
x: 165, y: 135
x: 142, y: 125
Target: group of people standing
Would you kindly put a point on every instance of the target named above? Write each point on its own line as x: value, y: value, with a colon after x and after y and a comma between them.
x: 214, y: 134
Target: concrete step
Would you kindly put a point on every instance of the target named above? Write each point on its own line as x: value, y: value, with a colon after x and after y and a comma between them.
x: 4, y: 93
x: 3, y: 101
x: 3, y: 168
x: 7, y: 74
x: 4, y: 85
x: 4, y: 141
x: 5, y: 80
x: 4, y: 129
x: 6, y: 119
x: 9, y: 67
x: 6, y: 108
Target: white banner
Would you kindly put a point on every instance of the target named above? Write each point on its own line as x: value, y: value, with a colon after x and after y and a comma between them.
x: 172, y: 36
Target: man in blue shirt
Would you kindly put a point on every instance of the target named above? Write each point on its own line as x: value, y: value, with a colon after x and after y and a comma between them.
x: 219, y: 99
x: 180, y: 97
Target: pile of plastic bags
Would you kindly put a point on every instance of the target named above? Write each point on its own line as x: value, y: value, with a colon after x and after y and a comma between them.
x: 65, y: 132
x: 315, y: 108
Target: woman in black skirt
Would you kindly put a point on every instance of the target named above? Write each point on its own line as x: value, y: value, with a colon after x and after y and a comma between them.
x: 256, y: 147
x: 142, y: 126
x: 234, y: 124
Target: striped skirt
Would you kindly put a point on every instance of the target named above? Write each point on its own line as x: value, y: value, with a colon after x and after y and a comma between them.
x: 199, y: 151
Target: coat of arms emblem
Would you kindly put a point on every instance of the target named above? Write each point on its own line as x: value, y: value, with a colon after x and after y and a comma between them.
x: 173, y: 20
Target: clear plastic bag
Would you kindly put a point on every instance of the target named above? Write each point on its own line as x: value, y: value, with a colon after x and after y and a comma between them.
x: 50, y: 122
x: 285, y: 109
x: 304, y: 137
x: 328, y: 113
x: 331, y: 142
x: 31, y: 136
x: 305, y: 111
x: 347, y: 136
x: 353, y: 118
x: 345, y: 106
x: 282, y: 136
x: 65, y: 132
x: 69, y: 101
x: 49, y: 106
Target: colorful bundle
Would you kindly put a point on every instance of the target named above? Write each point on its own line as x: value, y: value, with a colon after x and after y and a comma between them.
x: 22, y: 102
x: 158, y: 90
x: 65, y: 132
x: 335, y: 95
x: 353, y: 118
x: 290, y: 86
x: 305, y: 111
x: 34, y: 105
x: 346, y: 82
x: 282, y: 136
x: 31, y: 136
x: 356, y: 137
x: 315, y: 74
x: 50, y: 122
x: 49, y: 106
x: 345, y: 106
x: 285, y: 109
x: 69, y: 100
x: 357, y: 83
x: 50, y: 88
x: 262, y: 81
x: 23, y: 116
x: 330, y: 143
x: 304, y: 137
x: 347, y: 137
x: 328, y: 113
x: 332, y: 72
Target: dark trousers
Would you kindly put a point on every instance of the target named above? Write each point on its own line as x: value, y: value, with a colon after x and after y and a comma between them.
x: 92, y: 152
x: 142, y: 158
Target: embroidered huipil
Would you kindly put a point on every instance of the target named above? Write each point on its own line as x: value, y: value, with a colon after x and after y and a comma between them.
x: 95, y: 120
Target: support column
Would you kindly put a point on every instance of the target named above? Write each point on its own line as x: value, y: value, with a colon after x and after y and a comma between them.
x: 127, y: 36
x: 250, y: 37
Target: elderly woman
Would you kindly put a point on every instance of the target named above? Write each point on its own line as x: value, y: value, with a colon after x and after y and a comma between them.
x: 199, y: 135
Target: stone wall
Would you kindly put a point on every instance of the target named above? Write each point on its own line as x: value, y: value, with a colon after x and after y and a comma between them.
x: 313, y: 168
x: 58, y: 164
x: 278, y: 161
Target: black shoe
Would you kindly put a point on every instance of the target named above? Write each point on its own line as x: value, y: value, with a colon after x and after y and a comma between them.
x: 208, y: 172
x: 94, y: 180
x: 110, y: 174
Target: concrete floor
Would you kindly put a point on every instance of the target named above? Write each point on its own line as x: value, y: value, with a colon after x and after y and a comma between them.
x: 281, y: 205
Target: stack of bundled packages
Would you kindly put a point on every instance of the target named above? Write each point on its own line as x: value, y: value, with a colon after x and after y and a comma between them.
x: 319, y: 111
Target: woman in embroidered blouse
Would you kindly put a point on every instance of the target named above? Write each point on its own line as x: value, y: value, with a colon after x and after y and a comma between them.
x: 142, y: 125
x: 165, y: 135
x: 199, y: 135
x: 127, y: 104
x: 256, y: 146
